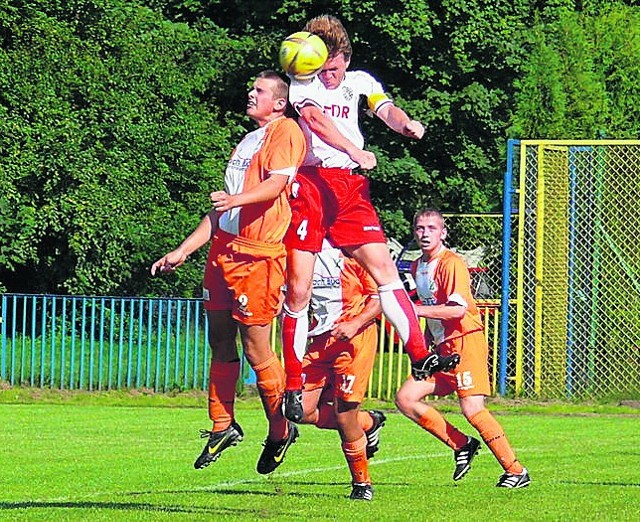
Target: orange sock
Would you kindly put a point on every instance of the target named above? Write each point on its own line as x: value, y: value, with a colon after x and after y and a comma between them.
x: 356, y: 454
x: 270, y: 381
x: 222, y: 392
x: 493, y: 435
x: 438, y: 426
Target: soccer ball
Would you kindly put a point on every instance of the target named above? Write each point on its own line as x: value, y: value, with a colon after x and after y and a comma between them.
x: 302, y: 55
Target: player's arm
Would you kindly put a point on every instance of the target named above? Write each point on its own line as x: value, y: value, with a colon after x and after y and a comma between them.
x: 266, y: 190
x: 348, y: 329
x: 396, y: 119
x: 200, y: 236
x: 325, y: 129
x: 450, y: 310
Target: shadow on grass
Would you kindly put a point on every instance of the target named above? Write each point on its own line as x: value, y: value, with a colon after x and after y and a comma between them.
x: 593, y: 483
x: 123, y: 506
x: 274, y: 491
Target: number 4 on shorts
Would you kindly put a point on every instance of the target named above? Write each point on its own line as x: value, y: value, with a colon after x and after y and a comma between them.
x: 302, y: 229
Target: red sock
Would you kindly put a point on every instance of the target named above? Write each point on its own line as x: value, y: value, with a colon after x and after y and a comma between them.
x: 295, y: 326
x: 399, y: 310
x: 223, y: 377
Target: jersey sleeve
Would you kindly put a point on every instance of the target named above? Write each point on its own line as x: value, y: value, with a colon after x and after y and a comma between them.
x: 455, y: 282
x: 374, y: 91
x: 287, y: 148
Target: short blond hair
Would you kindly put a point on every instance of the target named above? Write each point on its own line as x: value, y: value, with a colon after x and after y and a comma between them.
x: 429, y: 212
x: 333, y: 33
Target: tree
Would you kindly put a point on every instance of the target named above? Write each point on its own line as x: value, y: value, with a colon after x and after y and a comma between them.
x: 110, y: 141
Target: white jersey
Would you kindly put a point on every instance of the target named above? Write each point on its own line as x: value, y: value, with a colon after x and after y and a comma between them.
x: 341, y: 288
x: 341, y: 105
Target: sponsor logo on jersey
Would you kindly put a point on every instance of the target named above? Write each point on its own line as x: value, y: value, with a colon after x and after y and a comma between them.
x: 238, y: 163
x: 337, y: 111
x: 370, y: 228
x: 325, y: 282
x: 347, y: 92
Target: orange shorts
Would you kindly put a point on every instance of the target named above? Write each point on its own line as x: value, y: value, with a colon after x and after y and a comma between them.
x: 345, y: 364
x: 245, y: 277
x: 471, y: 376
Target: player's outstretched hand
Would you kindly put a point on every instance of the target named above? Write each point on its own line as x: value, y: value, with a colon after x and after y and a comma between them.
x: 413, y: 129
x: 169, y: 262
x: 432, y: 363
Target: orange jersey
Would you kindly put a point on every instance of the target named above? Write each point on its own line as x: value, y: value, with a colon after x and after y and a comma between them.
x: 441, y: 280
x: 341, y: 288
x: 277, y: 148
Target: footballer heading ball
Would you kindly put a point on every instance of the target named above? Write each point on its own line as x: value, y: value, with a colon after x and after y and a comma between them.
x: 302, y: 55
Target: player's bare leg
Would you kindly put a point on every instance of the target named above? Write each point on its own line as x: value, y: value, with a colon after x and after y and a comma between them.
x: 409, y: 401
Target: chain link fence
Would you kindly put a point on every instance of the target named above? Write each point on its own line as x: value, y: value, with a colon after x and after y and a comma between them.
x: 576, y: 330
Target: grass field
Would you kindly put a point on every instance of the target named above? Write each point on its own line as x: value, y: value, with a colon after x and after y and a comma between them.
x: 87, y: 459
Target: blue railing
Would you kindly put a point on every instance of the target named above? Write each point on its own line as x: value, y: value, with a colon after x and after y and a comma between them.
x: 103, y: 343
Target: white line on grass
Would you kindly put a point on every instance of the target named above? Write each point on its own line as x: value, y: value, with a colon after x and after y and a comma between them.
x: 286, y: 474
x: 240, y: 482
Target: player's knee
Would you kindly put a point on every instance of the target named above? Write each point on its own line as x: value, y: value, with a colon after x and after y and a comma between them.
x: 403, y: 401
x: 298, y: 295
x: 472, y: 405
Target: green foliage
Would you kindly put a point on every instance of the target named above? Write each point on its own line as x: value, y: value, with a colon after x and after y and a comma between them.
x: 579, y: 80
x: 110, y: 142
x: 116, y: 119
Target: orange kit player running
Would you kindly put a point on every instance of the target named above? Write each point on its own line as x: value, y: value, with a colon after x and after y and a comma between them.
x: 454, y: 326
x: 245, y: 270
x: 339, y: 360
x: 333, y: 201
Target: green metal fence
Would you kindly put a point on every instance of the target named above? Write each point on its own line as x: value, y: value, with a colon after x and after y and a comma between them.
x: 103, y: 343
x: 108, y: 343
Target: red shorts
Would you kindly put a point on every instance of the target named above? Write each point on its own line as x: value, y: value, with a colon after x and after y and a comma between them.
x: 332, y: 203
x: 346, y: 364
x: 245, y: 277
x: 471, y: 376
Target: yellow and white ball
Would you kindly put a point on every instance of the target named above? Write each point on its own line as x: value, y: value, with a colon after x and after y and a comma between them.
x: 302, y: 55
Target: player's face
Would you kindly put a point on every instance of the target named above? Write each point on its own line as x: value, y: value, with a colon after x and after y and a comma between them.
x: 333, y: 71
x: 262, y: 105
x: 429, y: 232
